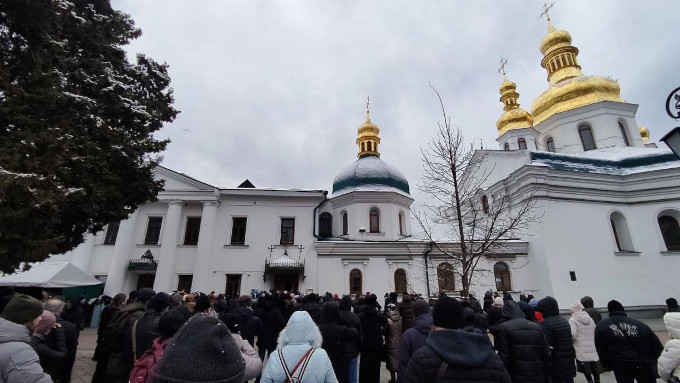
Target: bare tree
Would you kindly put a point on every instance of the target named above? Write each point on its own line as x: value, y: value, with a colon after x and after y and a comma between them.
x: 461, y: 223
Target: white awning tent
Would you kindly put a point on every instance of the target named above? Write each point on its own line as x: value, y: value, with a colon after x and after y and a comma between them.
x: 49, y: 275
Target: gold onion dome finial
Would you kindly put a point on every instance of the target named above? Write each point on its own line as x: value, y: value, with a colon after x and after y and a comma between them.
x: 514, y: 117
x: 569, y: 88
x: 368, y: 135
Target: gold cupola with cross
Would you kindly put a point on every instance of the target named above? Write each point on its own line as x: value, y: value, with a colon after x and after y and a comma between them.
x: 514, y: 117
x: 568, y: 87
x: 368, y: 136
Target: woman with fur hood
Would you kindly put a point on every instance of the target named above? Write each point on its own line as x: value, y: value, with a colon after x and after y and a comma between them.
x: 583, y: 335
x: 669, y: 361
x: 299, y: 354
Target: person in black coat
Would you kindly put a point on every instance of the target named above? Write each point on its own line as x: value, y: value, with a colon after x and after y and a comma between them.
x: 249, y: 324
x: 312, y: 306
x: 405, y: 308
x: 336, y: 336
x: 451, y: 355
x: 372, y: 323
x: 103, y: 350
x: 351, y: 348
x: 589, y: 307
x: 272, y: 323
x: 70, y: 333
x: 146, y: 329
x: 558, y: 334
x: 522, y: 347
x: 627, y: 346
x: 51, y: 357
x: 74, y: 313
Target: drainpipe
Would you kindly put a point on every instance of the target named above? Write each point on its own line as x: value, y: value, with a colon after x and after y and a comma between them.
x: 427, y: 267
x: 325, y: 195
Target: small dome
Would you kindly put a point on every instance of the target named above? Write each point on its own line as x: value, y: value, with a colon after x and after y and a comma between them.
x: 507, y: 86
x: 554, y: 39
x: 368, y: 172
x: 644, y: 133
x: 514, y: 119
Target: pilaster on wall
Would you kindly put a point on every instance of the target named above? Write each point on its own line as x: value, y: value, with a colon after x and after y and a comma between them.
x: 166, y: 260
x: 203, y: 277
x: 121, y: 256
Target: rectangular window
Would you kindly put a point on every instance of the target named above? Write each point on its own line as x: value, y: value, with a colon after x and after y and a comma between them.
x: 572, y: 276
x: 238, y: 230
x: 111, y: 233
x: 287, y: 231
x: 192, y: 230
x: 153, y: 231
x: 184, y: 282
x: 233, y: 288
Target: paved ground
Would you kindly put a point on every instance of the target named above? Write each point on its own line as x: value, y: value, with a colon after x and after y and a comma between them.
x: 84, y: 367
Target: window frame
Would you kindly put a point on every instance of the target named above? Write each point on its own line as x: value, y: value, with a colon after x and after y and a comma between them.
x: 672, y: 244
x: 111, y: 233
x: 624, y: 133
x: 345, y: 223
x: 400, y: 277
x: 621, y: 232
x: 360, y: 275
x: 506, y: 147
x: 521, y: 143
x: 550, y: 144
x: 446, y: 277
x: 149, y: 235
x: 179, y: 282
x: 374, y: 212
x: 287, y: 232
x: 238, y: 231
x: 325, y: 219
x: 582, y: 128
x: 191, y: 238
x: 502, y: 278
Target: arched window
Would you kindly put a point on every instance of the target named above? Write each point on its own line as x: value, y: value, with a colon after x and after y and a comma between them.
x: 374, y: 216
x: 355, y: 282
x: 485, y: 204
x: 363, y: 146
x: 400, y: 284
x: 445, y: 277
x: 506, y: 146
x: 521, y: 143
x: 624, y: 242
x: 401, y: 223
x: 670, y: 230
x: 501, y: 274
x: 587, y: 139
x: 624, y: 134
x: 345, y: 224
x: 370, y: 146
x: 325, y: 225
x: 550, y: 144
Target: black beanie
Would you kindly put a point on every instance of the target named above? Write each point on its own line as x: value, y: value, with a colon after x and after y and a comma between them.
x: 145, y: 294
x: 331, y: 313
x: 172, y: 320
x: 614, y: 305
x: 202, y: 303
x: 22, y: 309
x: 672, y: 303
x: 448, y: 313
x: 203, y: 350
x: 159, y: 301
x: 420, y: 307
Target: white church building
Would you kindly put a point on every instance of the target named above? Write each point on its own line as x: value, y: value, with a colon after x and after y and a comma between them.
x: 609, y: 203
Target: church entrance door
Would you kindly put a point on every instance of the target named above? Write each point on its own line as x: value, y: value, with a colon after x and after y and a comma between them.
x: 286, y: 282
x: 145, y: 280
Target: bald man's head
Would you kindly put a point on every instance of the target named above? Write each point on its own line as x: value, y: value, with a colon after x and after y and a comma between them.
x: 55, y: 306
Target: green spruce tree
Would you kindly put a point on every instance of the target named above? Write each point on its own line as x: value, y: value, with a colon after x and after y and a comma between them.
x: 76, y: 124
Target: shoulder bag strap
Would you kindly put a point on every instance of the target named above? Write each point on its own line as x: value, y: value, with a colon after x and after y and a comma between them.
x: 307, y: 358
x: 441, y: 371
x: 289, y: 374
x: 284, y: 367
x: 134, y: 341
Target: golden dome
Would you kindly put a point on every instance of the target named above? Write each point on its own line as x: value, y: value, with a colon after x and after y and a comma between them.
x: 569, y: 88
x: 574, y: 93
x: 368, y: 136
x: 514, y: 116
x: 644, y: 133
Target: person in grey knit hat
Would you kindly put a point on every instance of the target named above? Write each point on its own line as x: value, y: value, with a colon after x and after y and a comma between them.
x: 205, y: 344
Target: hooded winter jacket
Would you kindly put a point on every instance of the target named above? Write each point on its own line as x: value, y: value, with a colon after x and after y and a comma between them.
x: 413, y: 339
x: 249, y: 324
x: 250, y: 356
x: 351, y: 320
x: 558, y: 334
x: 336, y: 336
x: 470, y: 357
x: 589, y: 307
x: 583, y: 333
x: 272, y: 323
x: 405, y: 308
x: 522, y: 347
x: 300, y: 335
x: 372, y: 323
x: 393, y: 333
x: 669, y: 361
x: 641, y: 347
x: 19, y: 363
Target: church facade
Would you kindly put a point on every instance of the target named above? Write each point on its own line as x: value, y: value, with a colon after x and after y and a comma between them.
x: 609, y: 203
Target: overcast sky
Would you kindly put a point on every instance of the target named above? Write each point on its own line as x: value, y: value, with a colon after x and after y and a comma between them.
x: 274, y: 91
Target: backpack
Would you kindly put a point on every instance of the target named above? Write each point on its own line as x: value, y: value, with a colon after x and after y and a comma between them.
x: 141, y: 372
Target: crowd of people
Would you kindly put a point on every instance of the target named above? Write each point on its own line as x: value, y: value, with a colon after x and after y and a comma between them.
x: 149, y: 336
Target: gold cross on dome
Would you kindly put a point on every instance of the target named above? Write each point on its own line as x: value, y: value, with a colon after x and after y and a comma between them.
x: 546, y: 8
x: 503, y: 63
x: 368, y: 102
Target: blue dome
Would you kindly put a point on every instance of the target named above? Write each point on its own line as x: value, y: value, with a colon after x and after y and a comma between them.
x: 370, y: 173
